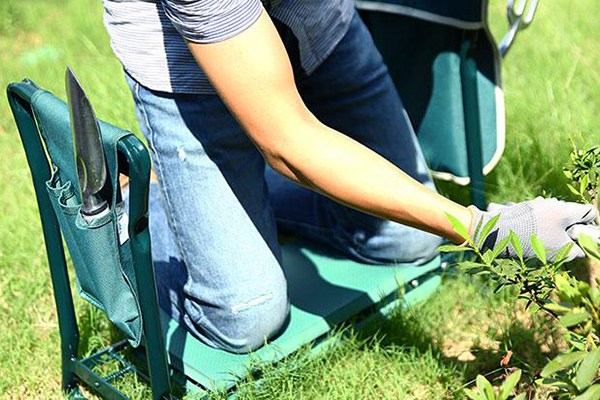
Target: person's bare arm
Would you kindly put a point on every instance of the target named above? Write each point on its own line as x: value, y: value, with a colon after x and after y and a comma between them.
x: 252, y: 74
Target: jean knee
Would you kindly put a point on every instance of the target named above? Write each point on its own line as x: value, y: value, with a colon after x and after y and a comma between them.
x: 256, y: 321
x: 245, y: 323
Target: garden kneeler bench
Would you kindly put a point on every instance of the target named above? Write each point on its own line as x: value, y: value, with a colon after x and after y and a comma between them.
x: 117, y: 276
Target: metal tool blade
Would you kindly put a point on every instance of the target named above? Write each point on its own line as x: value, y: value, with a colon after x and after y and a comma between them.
x: 87, y: 144
x: 519, y: 15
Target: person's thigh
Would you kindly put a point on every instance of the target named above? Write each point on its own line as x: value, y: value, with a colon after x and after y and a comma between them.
x: 353, y: 93
x: 213, y: 230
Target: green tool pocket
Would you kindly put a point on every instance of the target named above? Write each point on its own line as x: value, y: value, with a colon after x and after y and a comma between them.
x: 103, y: 262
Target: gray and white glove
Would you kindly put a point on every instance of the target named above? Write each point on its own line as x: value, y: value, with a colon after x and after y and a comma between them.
x: 551, y: 220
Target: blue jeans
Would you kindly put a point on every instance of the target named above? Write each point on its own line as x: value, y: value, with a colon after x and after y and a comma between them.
x: 218, y: 209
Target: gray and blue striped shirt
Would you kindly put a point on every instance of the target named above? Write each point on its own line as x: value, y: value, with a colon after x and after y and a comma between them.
x: 146, y: 35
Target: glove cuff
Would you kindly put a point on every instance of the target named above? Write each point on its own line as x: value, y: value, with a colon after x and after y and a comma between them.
x: 476, y: 215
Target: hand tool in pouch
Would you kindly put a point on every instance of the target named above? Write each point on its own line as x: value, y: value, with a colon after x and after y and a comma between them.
x: 89, y: 153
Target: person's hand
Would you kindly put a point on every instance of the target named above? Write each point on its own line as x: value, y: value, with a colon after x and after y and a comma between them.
x: 550, y: 220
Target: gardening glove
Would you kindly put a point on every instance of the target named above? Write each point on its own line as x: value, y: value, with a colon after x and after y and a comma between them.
x: 551, y: 220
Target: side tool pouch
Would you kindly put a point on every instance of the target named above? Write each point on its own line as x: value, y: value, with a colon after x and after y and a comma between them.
x: 100, y: 249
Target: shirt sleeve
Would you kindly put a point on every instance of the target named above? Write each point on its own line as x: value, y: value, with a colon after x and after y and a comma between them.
x: 211, y: 21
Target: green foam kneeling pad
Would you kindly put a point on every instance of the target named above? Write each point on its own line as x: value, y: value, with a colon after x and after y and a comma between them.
x: 325, y: 290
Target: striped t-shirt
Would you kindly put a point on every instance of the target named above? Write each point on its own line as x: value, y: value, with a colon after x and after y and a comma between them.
x: 146, y: 35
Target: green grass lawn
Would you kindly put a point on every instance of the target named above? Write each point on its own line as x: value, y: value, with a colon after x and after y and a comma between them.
x: 552, y: 88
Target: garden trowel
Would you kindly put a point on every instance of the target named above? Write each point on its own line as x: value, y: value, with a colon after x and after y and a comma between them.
x: 89, y: 153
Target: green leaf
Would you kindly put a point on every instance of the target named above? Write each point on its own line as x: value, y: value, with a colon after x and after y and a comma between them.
x: 499, y: 286
x: 592, y: 393
x: 574, y: 318
x: 488, y: 257
x: 563, y: 253
x: 501, y: 246
x: 472, y: 395
x: 562, y: 282
x: 582, y: 287
x: 587, y: 370
x: 557, y: 383
x: 568, y: 174
x: 487, y: 228
x: 520, y: 397
x: 459, y: 227
x: 481, y: 271
x: 560, y: 308
x: 562, y: 361
x: 485, y: 387
x: 584, y: 184
x: 566, y: 291
x: 516, y: 244
x: 468, y: 265
x: 475, y: 233
x: 452, y: 248
x: 589, y: 246
x: 509, y: 384
x: 534, y: 308
x: 573, y: 190
x: 594, y: 295
x: 578, y: 344
x: 538, y: 248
